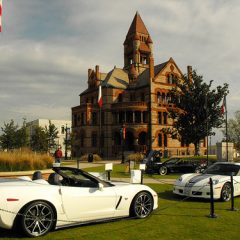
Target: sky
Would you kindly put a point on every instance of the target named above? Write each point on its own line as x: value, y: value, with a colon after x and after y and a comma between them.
x: 47, y: 46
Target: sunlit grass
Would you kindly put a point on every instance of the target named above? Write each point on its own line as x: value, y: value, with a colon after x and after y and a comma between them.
x: 174, y: 219
x: 22, y: 160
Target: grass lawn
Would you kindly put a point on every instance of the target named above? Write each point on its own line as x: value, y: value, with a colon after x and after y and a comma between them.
x: 174, y: 219
x: 121, y: 171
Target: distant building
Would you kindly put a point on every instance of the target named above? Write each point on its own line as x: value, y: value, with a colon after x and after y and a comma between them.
x: 135, y: 101
x: 61, y: 126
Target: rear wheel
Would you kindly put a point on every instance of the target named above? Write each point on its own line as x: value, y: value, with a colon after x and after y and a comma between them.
x: 142, y: 205
x: 37, y: 219
x: 226, y: 192
x: 163, y: 170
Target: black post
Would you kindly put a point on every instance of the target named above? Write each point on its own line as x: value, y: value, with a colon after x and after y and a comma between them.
x: 66, y: 141
x: 123, y: 142
x: 142, y: 171
x: 212, y: 214
x: 108, y: 175
x: 232, y: 195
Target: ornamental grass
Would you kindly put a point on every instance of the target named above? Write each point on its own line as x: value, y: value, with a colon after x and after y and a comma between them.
x: 23, y: 160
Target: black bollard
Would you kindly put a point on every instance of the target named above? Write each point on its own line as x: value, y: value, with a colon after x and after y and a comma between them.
x: 232, y: 195
x: 142, y: 171
x: 108, y: 174
x: 212, y: 214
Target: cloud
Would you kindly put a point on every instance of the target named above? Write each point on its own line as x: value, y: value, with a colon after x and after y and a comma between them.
x: 47, y: 46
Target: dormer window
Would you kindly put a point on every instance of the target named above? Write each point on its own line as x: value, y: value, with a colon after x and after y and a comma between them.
x: 171, y: 79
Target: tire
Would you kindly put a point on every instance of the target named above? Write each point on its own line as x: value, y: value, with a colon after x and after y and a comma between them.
x: 142, y: 205
x: 226, y: 192
x: 37, y: 219
x: 163, y: 170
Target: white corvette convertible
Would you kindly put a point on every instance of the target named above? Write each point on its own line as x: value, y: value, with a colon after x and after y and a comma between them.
x: 70, y: 197
x: 198, y: 185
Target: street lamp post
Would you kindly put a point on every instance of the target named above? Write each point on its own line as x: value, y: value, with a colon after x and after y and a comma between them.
x: 66, y: 141
x: 123, y: 132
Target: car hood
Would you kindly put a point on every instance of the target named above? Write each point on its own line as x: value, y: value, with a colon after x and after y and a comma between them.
x: 200, y: 179
x: 117, y: 183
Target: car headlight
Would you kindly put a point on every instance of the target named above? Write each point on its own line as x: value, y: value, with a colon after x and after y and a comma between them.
x: 214, y: 182
x: 180, y: 179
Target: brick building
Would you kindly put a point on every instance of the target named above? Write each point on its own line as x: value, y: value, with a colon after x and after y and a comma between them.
x: 135, y: 101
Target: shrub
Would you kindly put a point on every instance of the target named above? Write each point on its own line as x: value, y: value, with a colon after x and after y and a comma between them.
x: 136, y: 157
x: 23, y: 160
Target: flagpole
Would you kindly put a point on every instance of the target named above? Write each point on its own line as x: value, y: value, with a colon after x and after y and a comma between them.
x: 100, y: 129
x: 225, y: 100
x: 100, y: 117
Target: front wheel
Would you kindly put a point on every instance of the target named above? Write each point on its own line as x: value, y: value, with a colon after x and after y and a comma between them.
x: 226, y: 192
x: 163, y: 170
x: 37, y: 219
x: 142, y: 205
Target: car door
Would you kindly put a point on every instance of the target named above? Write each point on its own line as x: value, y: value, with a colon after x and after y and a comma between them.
x: 88, y: 203
x: 236, y: 182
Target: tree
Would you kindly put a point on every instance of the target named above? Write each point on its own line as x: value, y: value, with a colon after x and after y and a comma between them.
x: 196, y: 109
x: 22, y: 136
x: 234, y: 130
x: 39, y: 140
x: 8, y: 139
x: 52, y: 134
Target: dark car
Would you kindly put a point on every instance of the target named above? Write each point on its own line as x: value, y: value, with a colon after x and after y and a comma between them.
x: 174, y: 165
x: 152, y: 156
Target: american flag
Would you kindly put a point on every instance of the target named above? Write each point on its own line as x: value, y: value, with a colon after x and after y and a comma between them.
x: 0, y: 15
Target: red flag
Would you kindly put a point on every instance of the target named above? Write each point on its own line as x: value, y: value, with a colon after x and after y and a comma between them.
x: 223, y: 107
x: 0, y: 15
x: 100, y: 96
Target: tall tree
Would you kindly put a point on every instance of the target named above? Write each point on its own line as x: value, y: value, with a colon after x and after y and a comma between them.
x: 197, y: 109
x: 8, y: 139
x: 52, y: 135
x: 234, y: 130
x: 22, y: 136
x: 39, y: 140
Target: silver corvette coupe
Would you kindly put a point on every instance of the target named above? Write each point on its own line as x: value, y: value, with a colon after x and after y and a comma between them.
x: 198, y: 185
x: 70, y: 197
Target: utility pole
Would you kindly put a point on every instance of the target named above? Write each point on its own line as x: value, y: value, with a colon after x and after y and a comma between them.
x: 66, y: 141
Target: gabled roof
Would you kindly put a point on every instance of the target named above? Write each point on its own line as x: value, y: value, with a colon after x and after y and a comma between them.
x: 143, y: 78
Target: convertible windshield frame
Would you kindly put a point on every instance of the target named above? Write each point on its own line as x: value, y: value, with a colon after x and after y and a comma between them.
x: 75, y: 173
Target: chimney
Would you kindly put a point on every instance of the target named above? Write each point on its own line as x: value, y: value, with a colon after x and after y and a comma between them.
x: 189, y: 72
x: 89, y: 72
x: 151, y: 68
x: 97, y: 72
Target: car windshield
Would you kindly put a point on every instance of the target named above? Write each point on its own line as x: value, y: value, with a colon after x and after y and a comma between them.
x: 150, y: 154
x: 79, y: 175
x: 172, y: 160
x: 223, y: 169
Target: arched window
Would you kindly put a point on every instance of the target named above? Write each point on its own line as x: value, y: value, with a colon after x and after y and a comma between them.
x: 158, y: 97
x: 160, y: 143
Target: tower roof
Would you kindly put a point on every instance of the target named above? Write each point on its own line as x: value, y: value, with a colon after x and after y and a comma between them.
x: 137, y: 26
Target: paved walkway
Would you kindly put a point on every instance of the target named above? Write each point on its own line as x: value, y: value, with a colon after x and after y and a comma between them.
x: 83, y: 165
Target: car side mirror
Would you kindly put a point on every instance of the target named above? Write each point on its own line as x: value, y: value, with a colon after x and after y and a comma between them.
x: 100, y: 187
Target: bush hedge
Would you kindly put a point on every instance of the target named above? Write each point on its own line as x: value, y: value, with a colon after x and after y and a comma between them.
x: 24, y: 160
x: 96, y: 158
